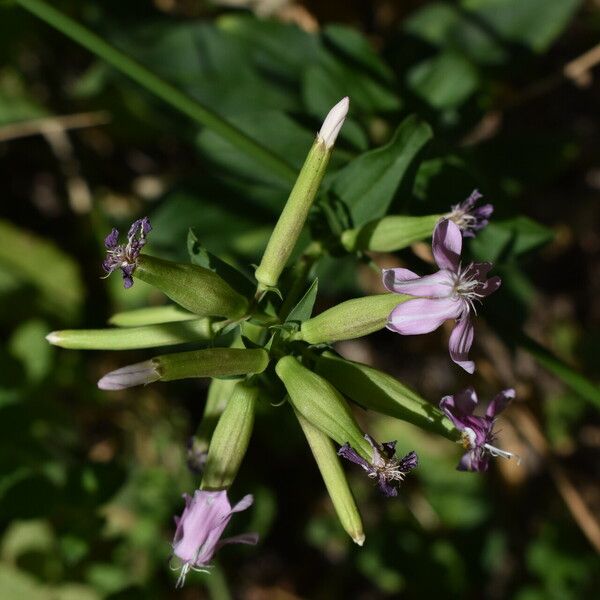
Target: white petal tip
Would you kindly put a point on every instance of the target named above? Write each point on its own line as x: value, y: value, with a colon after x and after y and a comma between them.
x: 129, y: 376
x: 53, y: 337
x: 333, y: 123
x: 359, y: 540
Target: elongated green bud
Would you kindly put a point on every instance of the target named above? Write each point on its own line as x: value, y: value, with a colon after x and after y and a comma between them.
x: 219, y: 392
x: 335, y: 480
x: 151, y: 315
x: 195, y: 288
x: 390, y: 233
x: 321, y: 405
x: 148, y: 336
x: 230, y: 439
x: 351, y: 319
x: 383, y: 393
x: 212, y: 362
x: 291, y: 221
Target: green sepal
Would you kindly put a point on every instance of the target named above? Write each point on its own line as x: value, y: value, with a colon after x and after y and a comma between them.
x: 152, y: 315
x: 195, y: 288
x: 231, y: 438
x: 211, y: 362
x: 389, y: 233
x: 321, y: 405
x: 335, y: 479
x: 351, y: 319
x: 129, y: 338
x: 378, y: 391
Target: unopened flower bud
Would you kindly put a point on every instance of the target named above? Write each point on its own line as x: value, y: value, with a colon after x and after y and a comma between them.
x: 351, y: 319
x: 335, y: 479
x: 211, y: 362
x: 389, y: 233
x: 230, y: 438
x: 321, y: 404
x: 293, y: 216
x: 128, y: 338
x: 381, y: 392
x: 151, y: 315
x: 195, y: 288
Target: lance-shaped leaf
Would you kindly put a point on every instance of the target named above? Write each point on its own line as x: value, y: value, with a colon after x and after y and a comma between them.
x: 381, y: 392
x: 129, y: 338
x: 231, y: 438
x: 349, y: 320
x: 321, y: 405
x: 335, y: 479
x: 195, y: 288
x: 211, y: 362
x: 369, y: 183
x: 390, y: 233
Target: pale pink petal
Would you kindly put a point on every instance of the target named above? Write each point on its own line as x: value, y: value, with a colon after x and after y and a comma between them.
x: 461, y: 340
x: 403, y: 281
x: 243, y: 504
x: 243, y: 538
x: 447, y: 245
x: 423, y: 315
x: 500, y: 401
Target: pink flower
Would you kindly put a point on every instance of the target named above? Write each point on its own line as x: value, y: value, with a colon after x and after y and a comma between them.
x: 450, y: 293
x: 477, y: 432
x: 200, y: 527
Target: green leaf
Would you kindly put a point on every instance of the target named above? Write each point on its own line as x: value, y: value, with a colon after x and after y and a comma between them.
x: 202, y: 257
x: 505, y: 240
x: 445, y: 81
x: 576, y: 381
x: 42, y: 266
x: 303, y: 310
x: 368, y: 184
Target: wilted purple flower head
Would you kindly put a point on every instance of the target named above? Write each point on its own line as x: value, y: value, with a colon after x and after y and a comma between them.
x: 124, y: 256
x: 470, y: 219
x: 387, y: 470
x: 477, y: 432
x: 199, y: 528
x: 450, y: 293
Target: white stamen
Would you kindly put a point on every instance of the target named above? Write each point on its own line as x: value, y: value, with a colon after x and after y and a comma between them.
x: 495, y: 452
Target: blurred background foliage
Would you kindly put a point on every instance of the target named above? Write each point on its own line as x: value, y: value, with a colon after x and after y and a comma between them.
x: 89, y: 481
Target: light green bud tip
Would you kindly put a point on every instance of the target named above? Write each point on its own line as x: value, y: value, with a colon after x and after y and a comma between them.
x: 390, y: 233
x: 230, y: 439
x: 321, y: 405
x: 351, y: 319
x: 291, y: 221
x: 335, y: 480
x: 195, y: 288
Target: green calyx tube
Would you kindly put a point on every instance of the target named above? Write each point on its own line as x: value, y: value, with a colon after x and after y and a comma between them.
x: 349, y: 320
x: 321, y: 405
x: 230, y: 439
x: 195, y: 288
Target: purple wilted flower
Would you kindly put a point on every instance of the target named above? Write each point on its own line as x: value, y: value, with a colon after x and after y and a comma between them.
x: 387, y: 470
x: 450, y: 293
x: 124, y: 256
x: 468, y: 218
x: 477, y: 432
x: 200, y: 527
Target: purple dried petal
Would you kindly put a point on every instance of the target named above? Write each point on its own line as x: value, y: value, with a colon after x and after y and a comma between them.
x: 349, y: 453
x: 111, y: 240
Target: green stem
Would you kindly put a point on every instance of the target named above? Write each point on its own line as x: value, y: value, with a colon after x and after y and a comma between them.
x: 160, y: 88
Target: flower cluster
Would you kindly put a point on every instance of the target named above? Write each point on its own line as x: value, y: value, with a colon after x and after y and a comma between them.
x: 124, y: 256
